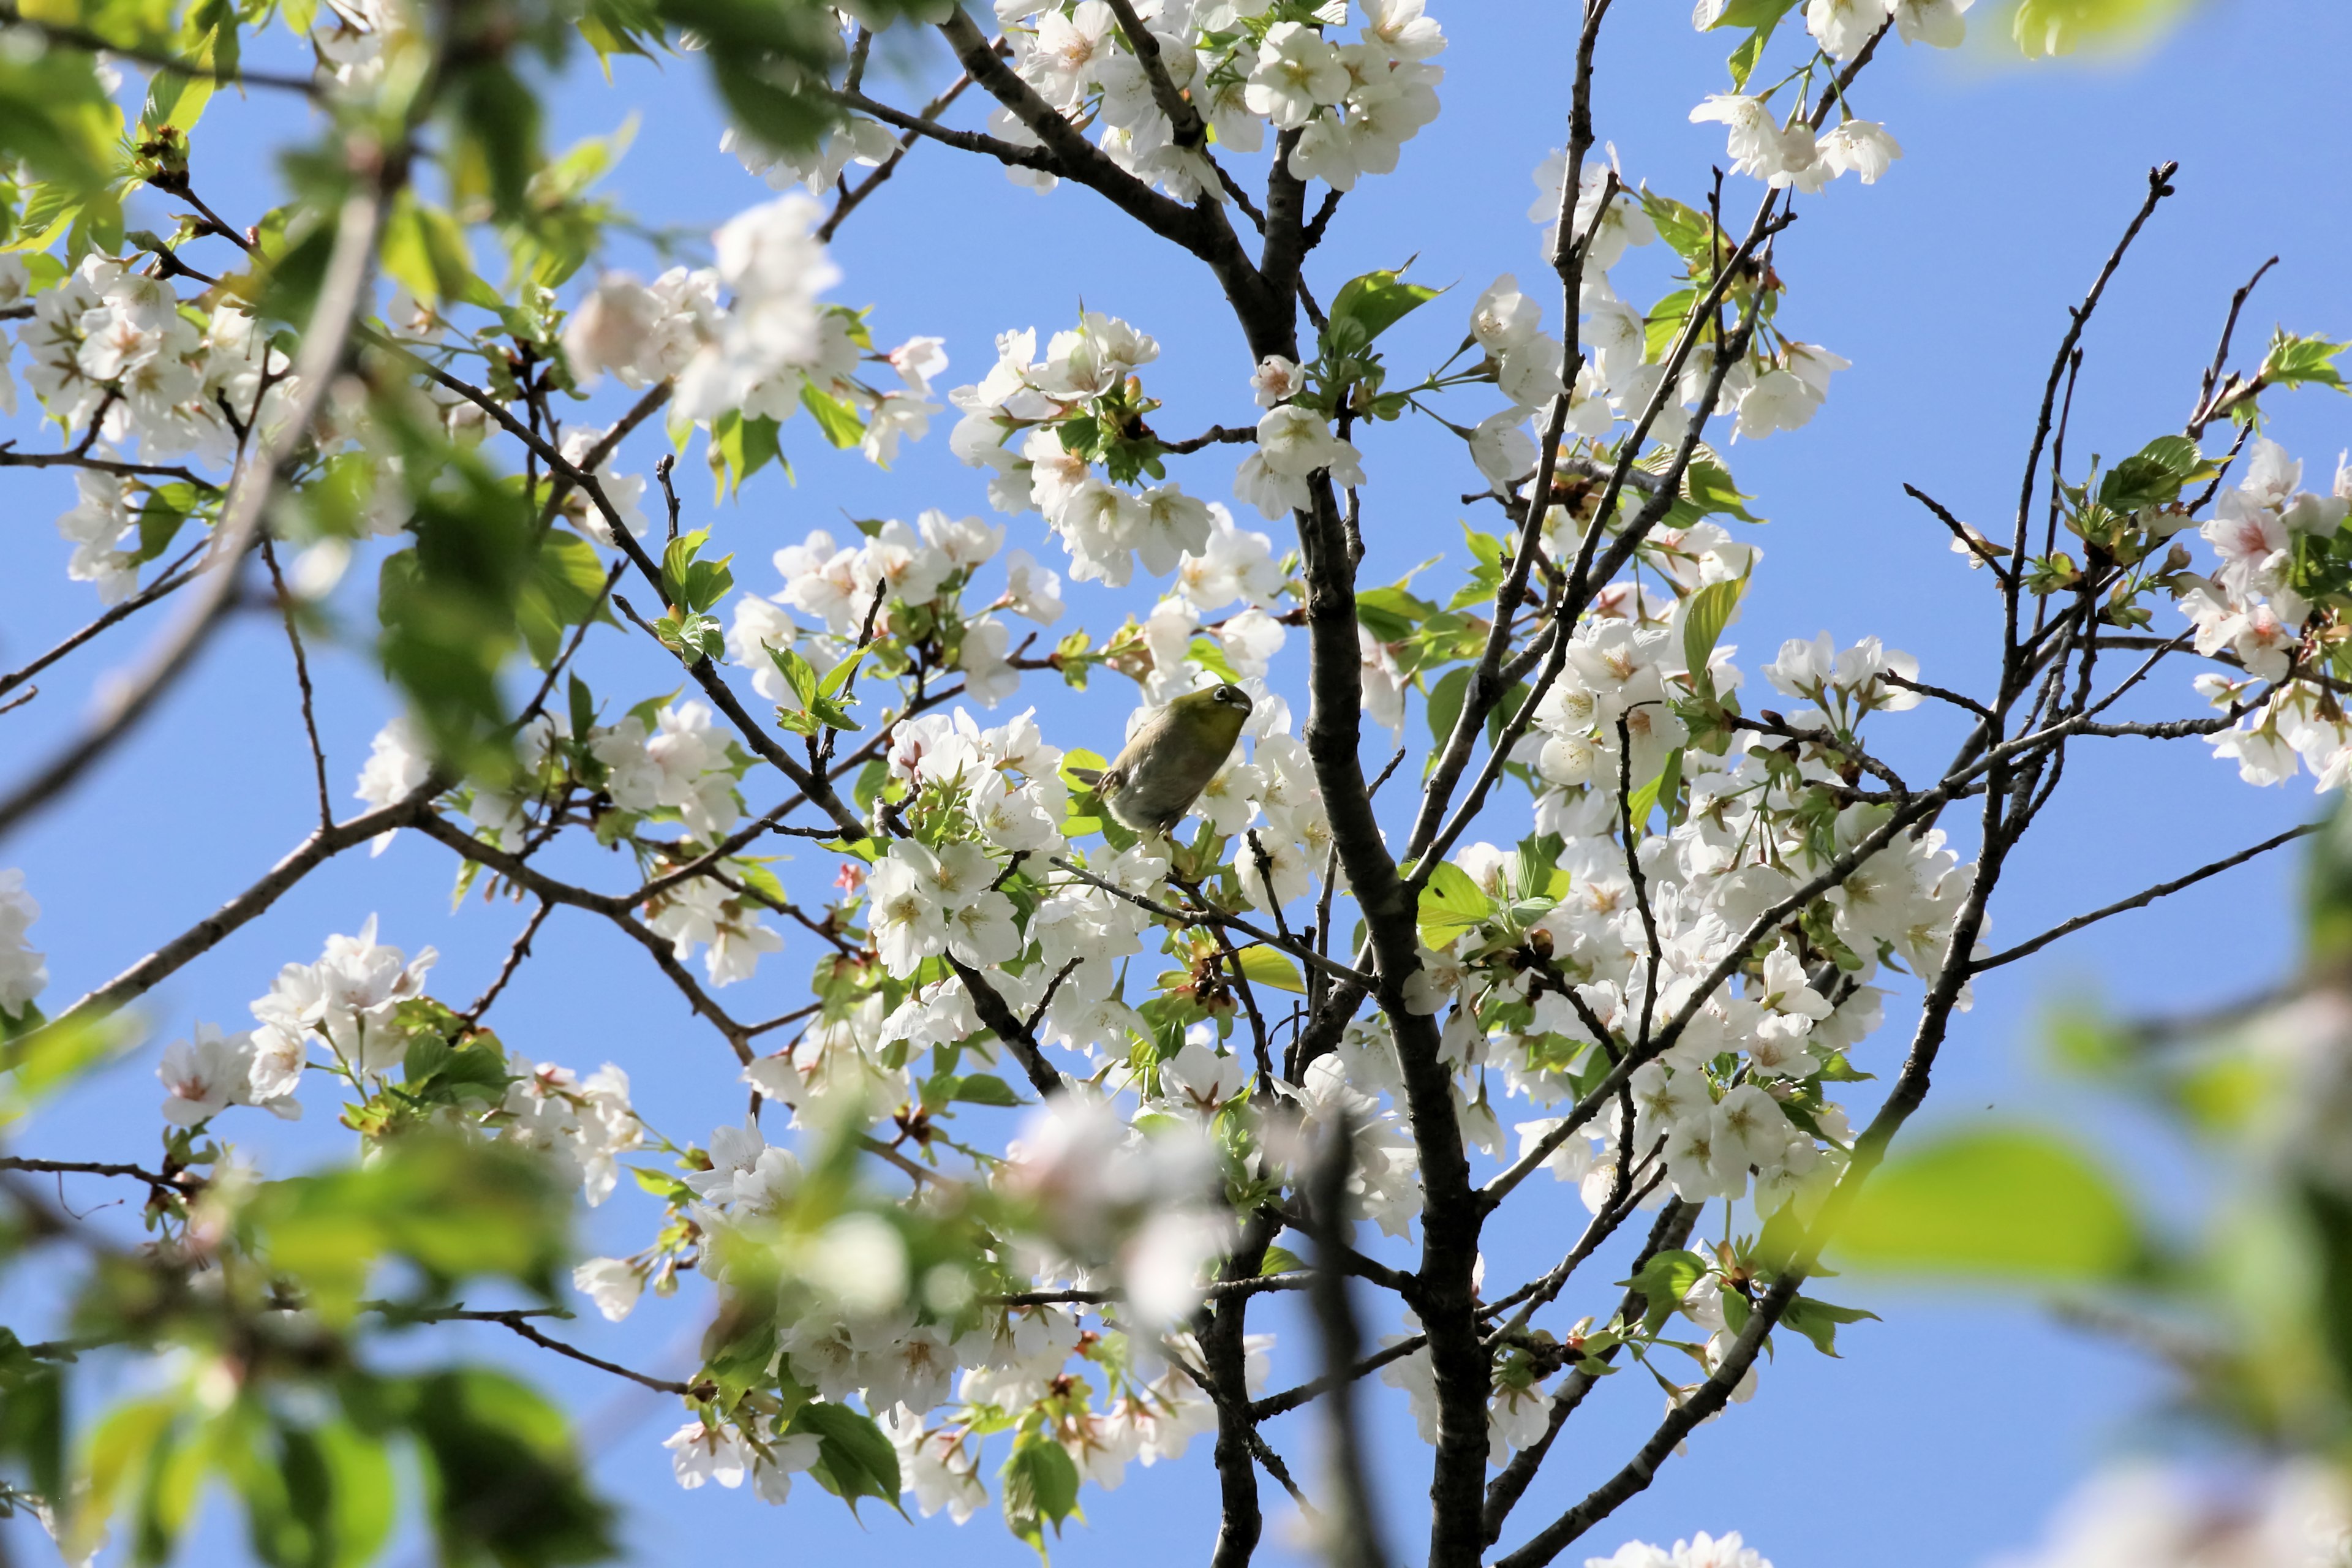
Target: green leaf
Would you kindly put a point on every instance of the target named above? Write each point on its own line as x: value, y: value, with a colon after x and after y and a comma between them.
x: 1742, y: 61
x: 1998, y: 1201
x: 1373, y: 303
x: 1708, y: 485
x: 799, y: 674
x: 1663, y: 1282
x: 1390, y: 614
x: 741, y: 447
x: 1709, y: 612
x: 839, y: 675
x: 2295, y: 361
x: 854, y: 1458
x: 1645, y: 797
x: 1818, y: 1320
x: 740, y: 1361
x: 32, y: 1416
x: 690, y: 584
x: 835, y: 419
x: 1269, y: 966
x: 2153, y: 475
x: 121, y: 1449
x: 983, y: 1088
x: 1451, y: 904
x: 1040, y: 1487
x: 1751, y: 13
x: 160, y: 518
x: 1686, y: 231
x: 582, y: 705
x: 1666, y: 320
x: 57, y: 116
x: 1443, y: 708
x: 1281, y: 1260
x: 566, y: 585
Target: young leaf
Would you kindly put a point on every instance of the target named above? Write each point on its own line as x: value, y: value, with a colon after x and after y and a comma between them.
x: 1818, y: 1320
x: 1375, y: 302
x: 1709, y: 610
x: 1267, y: 966
x: 1663, y: 1282
x: 1451, y: 904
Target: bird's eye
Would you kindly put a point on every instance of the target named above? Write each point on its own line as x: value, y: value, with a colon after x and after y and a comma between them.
x: 1229, y: 694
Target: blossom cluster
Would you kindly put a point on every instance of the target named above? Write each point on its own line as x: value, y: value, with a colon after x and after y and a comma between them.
x: 1038, y: 426
x: 748, y: 337
x: 356, y: 1001
x: 117, y: 361
x: 1353, y: 104
x: 2255, y: 611
x: 937, y: 1370
x: 1782, y: 149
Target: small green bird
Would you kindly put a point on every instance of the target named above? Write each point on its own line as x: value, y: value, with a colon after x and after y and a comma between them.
x: 1157, y: 775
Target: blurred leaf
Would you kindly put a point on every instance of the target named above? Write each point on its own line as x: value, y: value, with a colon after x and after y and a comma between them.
x: 504, y: 1482
x: 121, y: 1449
x: 40, y: 1061
x: 426, y: 250
x: 32, y: 1415
x: 2327, y: 893
x: 448, y: 611
x: 497, y: 149
x: 57, y: 116
x: 451, y: 1208
x: 2060, y: 26
x: 565, y: 586
x: 2005, y: 1202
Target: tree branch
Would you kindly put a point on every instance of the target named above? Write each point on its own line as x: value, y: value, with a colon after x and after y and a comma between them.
x: 2141, y: 899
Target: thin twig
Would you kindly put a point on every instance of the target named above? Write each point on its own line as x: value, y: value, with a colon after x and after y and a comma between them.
x: 2141, y: 899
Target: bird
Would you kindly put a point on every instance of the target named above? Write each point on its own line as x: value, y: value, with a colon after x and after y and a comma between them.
x: 1170, y: 759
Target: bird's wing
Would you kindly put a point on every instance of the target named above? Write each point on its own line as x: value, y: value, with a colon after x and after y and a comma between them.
x: 1146, y: 735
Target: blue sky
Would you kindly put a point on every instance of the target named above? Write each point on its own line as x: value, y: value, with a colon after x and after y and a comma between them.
x: 1944, y: 1433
